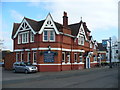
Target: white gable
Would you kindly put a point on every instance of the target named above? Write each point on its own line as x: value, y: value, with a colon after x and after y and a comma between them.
x: 23, y: 27
x: 81, y: 32
x: 48, y: 24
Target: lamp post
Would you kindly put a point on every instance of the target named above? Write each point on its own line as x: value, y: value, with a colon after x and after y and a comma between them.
x: 110, y: 52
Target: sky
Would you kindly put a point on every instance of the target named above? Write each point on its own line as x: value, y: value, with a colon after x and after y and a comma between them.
x: 101, y: 16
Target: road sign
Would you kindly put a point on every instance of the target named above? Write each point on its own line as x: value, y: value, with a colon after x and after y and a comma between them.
x: 104, y: 43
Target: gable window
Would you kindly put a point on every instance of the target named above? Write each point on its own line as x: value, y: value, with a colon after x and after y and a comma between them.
x: 19, y: 38
x: 25, y: 37
x: 81, y: 40
x: 31, y: 37
x: 45, y: 35
x: 34, y: 57
x: 48, y: 35
x: 90, y: 45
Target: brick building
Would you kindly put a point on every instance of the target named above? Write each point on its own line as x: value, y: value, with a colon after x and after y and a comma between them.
x: 52, y: 46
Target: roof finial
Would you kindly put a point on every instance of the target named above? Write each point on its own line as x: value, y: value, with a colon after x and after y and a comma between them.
x: 81, y: 18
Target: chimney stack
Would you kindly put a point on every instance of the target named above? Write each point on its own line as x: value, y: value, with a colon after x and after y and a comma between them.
x: 65, y: 19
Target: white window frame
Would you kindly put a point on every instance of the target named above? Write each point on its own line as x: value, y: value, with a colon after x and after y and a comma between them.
x: 68, y: 61
x: 75, y: 60
x: 32, y: 37
x: 48, y: 35
x: 62, y: 56
x: 80, y: 58
x: 21, y: 56
x: 17, y: 57
x: 34, y: 58
x: 19, y: 38
x: 26, y: 40
x: 81, y: 39
x: 29, y: 56
x: 90, y: 45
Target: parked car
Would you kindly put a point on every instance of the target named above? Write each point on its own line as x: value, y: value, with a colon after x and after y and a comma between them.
x: 25, y: 67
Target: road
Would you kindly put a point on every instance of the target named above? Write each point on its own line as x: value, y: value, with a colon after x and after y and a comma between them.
x: 103, y: 77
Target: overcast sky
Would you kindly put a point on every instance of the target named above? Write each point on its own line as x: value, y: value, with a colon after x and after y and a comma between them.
x: 101, y: 16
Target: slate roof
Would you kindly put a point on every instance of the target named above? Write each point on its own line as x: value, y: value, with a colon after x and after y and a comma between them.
x: 75, y: 28
x: 101, y: 48
x: 36, y: 25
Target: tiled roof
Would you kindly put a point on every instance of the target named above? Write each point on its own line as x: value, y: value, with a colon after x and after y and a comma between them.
x: 36, y: 25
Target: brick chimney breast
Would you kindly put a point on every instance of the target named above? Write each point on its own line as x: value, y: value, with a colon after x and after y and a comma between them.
x: 65, y: 19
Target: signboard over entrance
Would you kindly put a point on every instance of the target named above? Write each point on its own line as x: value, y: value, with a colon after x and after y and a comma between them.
x: 49, y: 56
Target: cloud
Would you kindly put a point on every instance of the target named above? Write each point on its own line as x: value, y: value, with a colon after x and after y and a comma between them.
x: 16, y: 15
x: 98, y: 14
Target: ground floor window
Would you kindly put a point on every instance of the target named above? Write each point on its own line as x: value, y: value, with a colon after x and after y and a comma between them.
x: 75, y: 57
x: 17, y: 57
x: 34, y: 57
x: 81, y: 57
x: 63, y: 56
x: 22, y: 57
x: 68, y: 58
x: 29, y: 56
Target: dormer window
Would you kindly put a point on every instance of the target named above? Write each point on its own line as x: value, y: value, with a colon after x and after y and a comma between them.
x: 49, y: 35
x: 81, y: 40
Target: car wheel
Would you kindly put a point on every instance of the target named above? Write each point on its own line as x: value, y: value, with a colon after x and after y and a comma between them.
x: 14, y: 70
x: 26, y: 71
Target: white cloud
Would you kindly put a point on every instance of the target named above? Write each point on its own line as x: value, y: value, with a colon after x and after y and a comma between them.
x: 16, y: 15
x: 98, y: 14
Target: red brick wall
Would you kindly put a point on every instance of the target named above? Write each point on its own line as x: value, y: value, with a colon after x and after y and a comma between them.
x: 9, y: 60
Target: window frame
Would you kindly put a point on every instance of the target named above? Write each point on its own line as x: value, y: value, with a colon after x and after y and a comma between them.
x: 34, y: 57
x: 75, y: 60
x: 32, y: 37
x: 29, y: 57
x: 62, y: 56
x: 26, y: 37
x: 49, y: 35
x: 17, y: 57
x: 22, y: 56
x: 81, y: 39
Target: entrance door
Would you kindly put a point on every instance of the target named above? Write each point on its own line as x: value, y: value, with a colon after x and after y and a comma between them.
x: 87, y: 62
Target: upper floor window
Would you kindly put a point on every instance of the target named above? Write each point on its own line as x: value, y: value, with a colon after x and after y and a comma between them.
x: 31, y: 37
x: 23, y: 37
x: 19, y: 38
x: 90, y: 45
x: 81, y: 40
x: 48, y: 35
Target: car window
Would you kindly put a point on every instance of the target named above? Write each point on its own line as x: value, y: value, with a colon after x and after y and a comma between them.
x: 16, y: 64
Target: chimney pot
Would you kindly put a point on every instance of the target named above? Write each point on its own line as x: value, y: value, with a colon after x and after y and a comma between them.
x: 65, y: 19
